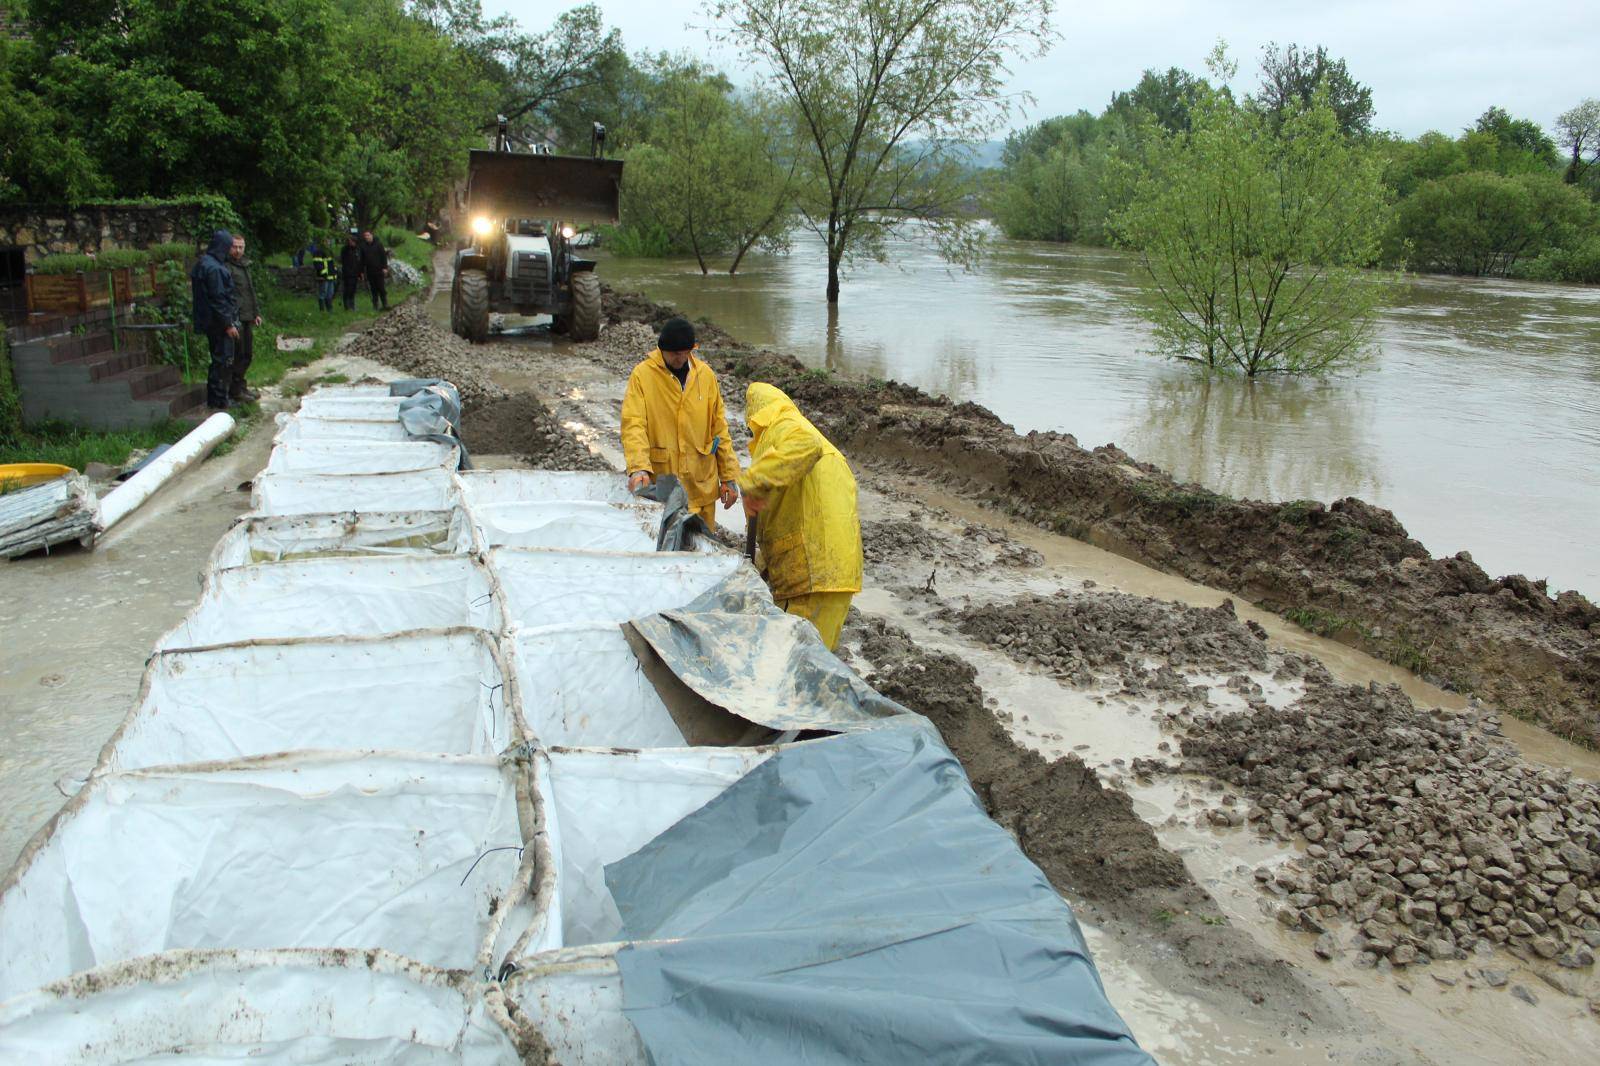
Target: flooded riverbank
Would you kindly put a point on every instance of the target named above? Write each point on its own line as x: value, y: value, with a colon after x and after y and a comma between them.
x: 1478, y: 423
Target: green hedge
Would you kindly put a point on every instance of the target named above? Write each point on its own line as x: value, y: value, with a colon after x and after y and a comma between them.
x: 10, y: 401
x: 114, y: 259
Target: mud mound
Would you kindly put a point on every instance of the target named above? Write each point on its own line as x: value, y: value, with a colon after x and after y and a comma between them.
x: 894, y: 540
x: 623, y: 307
x: 1423, y: 828
x: 1085, y: 837
x: 1077, y: 636
x: 408, y: 340
x: 1348, y: 571
x: 522, y: 426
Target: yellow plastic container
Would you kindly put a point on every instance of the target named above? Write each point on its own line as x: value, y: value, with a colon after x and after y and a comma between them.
x: 14, y: 476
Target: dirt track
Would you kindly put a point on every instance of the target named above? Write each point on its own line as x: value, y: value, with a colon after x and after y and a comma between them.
x: 1017, y: 662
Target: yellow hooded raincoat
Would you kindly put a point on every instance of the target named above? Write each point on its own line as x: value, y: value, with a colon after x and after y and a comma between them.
x: 682, y: 430
x: 809, y: 533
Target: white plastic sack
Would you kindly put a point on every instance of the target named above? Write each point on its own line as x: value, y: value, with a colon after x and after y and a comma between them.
x: 278, y: 1008
x: 424, y: 692
x: 337, y: 597
x: 580, y: 685
x: 291, y: 851
x: 482, y: 487
x: 568, y: 524
x: 608, y: 805
x: 292, y: 428
x: 574, y: 997
x: 360, y: 457
x: 351, y: 405
x: 276, y: 538
x: 547, y: 587
x: 425, y: 490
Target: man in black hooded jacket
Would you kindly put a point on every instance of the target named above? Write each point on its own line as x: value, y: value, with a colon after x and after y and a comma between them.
x: 216, y: 314
x: 350, y: 270
x: 375, y: 264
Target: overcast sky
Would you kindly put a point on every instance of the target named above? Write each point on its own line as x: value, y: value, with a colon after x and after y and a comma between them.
x: 1431, y: 64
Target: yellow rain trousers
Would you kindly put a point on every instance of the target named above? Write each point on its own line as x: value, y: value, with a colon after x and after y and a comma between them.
x: 809, y: 534
x: 682, y: 430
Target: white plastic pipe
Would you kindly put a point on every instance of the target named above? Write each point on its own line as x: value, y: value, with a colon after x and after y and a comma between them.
x: 127, y: 497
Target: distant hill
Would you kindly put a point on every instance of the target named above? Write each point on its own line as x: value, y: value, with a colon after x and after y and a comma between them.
x: 985, y: 154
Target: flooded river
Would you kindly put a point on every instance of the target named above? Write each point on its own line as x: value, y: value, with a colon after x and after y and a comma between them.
x: 1478, y: 421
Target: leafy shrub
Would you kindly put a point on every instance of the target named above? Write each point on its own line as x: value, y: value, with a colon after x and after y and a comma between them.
x: 10, y: 401
x: 650, y: 241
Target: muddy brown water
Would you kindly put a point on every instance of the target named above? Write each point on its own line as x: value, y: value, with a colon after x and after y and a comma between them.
x: 1478, y: 423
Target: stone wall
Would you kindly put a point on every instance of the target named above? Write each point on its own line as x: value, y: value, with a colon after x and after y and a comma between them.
x: 90, y: 229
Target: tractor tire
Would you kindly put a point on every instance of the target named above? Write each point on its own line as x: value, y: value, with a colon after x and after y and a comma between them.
x: 560, y: 325
x: 469, y: 310
x: 583, y: 324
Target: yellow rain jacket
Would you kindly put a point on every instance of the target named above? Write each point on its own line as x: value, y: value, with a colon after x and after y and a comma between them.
x: 682, y: 430
x: 809, y: 534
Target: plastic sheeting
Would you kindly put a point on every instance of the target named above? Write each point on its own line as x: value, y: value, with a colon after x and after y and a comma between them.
x: 308, y: 852
x: 430, y: 739
x: 849, y: 901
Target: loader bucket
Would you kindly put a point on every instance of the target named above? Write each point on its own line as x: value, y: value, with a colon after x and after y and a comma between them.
x: 569, y: 188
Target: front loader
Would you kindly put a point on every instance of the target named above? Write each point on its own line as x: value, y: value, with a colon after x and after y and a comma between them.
x: 525, y: 211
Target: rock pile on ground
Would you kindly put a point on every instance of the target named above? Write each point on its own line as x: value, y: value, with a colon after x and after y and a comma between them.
x: 408, y: 340
x: 522, y: 426
x: 899, y: 540
x: 1421, y: 827
x: 1079, y: 636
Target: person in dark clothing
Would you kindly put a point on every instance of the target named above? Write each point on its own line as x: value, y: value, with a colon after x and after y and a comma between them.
x: 375, y: 264
x: 350, y: 270
x: 244, y: 347
x: 216, y: 314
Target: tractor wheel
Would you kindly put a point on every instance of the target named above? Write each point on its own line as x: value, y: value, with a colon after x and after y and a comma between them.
x: 583, y: 324
x: 560, y: 325
x: 469, y: 311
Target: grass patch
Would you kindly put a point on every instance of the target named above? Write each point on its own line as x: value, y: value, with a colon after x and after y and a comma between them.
x: 332, y: 379
x: 1182, y: 501
x: 1296, y: 512
x: 57, y: 442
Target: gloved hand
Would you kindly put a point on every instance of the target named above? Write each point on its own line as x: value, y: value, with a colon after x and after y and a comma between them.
x: 638, y: 480
x: 730, y: 494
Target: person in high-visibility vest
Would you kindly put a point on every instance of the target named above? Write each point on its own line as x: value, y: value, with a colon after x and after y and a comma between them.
x: 326, y: 269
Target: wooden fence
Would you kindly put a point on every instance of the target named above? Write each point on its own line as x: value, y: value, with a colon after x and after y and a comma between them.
x: 81, y: 291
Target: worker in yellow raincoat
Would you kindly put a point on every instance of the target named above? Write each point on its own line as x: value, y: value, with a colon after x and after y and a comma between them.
x: 673, y: 422
x: 800, y: 493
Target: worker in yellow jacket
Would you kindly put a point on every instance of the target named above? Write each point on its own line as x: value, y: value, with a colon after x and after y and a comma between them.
x: 800, y: 493
x: 673, y: 422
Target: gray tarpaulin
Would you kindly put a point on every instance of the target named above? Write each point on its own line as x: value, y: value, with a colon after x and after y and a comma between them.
x: 679, y: 525
x: 735, y: 649
x: 849, y: 901
x: 431, y: 410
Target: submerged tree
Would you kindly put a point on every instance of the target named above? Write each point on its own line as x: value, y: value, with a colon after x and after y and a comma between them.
x: 1256, y: 234
x: 886, y: 91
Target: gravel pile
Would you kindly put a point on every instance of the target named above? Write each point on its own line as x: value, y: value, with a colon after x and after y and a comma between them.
x: 1421, y: 827
x: 408, y: 340
x: 1078, y: 636
x: 898, y: 540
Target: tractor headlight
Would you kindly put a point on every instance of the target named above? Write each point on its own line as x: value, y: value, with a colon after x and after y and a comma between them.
x: 568, y: 232
x: 482, y: 226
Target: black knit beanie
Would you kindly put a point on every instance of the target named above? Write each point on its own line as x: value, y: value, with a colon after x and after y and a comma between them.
x: 676, y: 336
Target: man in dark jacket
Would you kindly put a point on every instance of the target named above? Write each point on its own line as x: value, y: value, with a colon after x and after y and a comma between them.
x: 244, y: 295
x: 375, y: 263
x: 350, y: 270
x: 216, y: 314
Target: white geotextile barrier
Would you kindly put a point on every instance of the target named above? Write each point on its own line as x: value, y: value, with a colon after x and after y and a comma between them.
x: 440, y: 691
x: 352, y: 457
x: 580, y: 684
x: 383, y: 851
x: 330, y: 761
x: 549, y: 587
x: 352, y: 597
x: 413, y: 490
x: 279, y: 537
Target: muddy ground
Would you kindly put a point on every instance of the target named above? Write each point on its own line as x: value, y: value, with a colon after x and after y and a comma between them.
x: 1123, y: 739
x: 1347, y: 570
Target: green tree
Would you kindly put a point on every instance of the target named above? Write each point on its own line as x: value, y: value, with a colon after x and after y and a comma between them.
x: 708, y: 174
x: 1166, y: 98
x: 188, y: 96
x: 1479, y: 222
x: 886, y: 91
x: 1255, y: 235
x: 1579, y: 130
x: 1508, y: 145
x: 42, y: 158
x: 1291, y: 75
